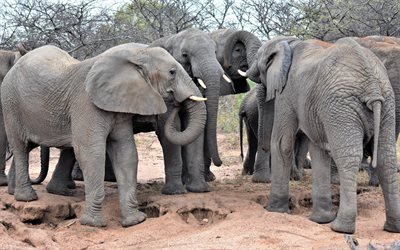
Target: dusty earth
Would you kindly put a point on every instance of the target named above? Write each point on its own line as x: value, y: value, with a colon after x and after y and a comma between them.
x: 231, y: 216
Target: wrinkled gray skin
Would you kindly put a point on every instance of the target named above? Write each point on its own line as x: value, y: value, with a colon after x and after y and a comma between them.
x: 53, y: 100
x: 257, y: 161
x: 7, y: 60
x: 343, y: 97
x: 236, y: 50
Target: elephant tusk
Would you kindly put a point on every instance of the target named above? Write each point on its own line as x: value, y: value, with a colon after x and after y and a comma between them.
x: 201, y: 83
x: 242, y: 73
x: 197, y: 99
x: 226, y: 78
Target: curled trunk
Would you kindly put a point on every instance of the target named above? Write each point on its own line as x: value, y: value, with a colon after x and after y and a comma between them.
x: 197, y: 120
x: 250, y: 41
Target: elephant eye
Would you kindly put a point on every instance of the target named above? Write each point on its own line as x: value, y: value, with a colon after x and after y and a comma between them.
x: 172, y: 72
x: 184, y: 54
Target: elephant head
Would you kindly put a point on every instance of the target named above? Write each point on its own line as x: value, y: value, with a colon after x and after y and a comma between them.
x: 137, y: 80
x: 195, y: 51
x: 236, y: 50
x: 9, y: 58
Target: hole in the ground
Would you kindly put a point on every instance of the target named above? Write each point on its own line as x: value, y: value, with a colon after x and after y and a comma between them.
x: 34, y: 221
x: 152, y: 210
x: 7, y: 225
x: 29, y: 242
x: 202, y: 215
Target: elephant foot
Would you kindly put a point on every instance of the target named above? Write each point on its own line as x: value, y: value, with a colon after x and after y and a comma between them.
x: 3, y: 180
x: 322, y: 217
x: 134, y: 217
x: 392, y: 226
x: 373, y: 177
x: 209, y: 176
x: 280, y: 205
x: 93, y: 221
x: 11, y: 189
x: 60, y: 188
x: 307, y: 163
x: 173, y: 189
x: 261, y: 177
x: 25, y: 194
x: 296, y: 174
x: 341, y: 226
x: 247, y: 172
x: 77, y: 173
x: 199, y: 187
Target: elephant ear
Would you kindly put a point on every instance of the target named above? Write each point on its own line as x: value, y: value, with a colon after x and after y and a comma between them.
x: 117, y: 82
x: 278, y: 63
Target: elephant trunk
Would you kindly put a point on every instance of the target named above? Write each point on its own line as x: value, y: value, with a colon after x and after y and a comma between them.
x: 197, y: 119
x: 44, y: 165
x: 253, y: 73
x: 212, y: 77
x: 250, y: 41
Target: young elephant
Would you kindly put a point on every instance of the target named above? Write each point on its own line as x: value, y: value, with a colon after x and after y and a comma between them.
x: 341, y: 99
x: 53, y: 100
x: 7, y: 60
x: 257, y: 161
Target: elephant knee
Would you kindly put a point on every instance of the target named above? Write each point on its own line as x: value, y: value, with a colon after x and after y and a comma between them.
x: 286, y: 146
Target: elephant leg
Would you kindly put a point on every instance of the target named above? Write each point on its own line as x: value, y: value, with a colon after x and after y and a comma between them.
x: 262, y: 167
x: 172, y: 160
x: 334, y: 173
x: 193, y: 163
x: 23, y: 188
x: 347, y: 152
x: 321, y: 186
x: 109, y: 176
x: 91, y: 157
x: 61, y: 180
x: 388, y: 178
x: 3, y: 150
x: 249, y: 160
x: 11, y: 179
x: 282, y: 144
x: 124, y: 157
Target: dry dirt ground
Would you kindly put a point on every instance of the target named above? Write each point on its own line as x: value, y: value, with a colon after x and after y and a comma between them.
x: 231, y: 216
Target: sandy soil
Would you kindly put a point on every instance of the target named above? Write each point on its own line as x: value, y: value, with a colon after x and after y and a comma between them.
x: 231, y: 216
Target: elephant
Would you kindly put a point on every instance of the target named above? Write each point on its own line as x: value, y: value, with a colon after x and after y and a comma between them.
x: 341, y: 101
x: 54, y: 100
x: 257, y: 161
x: 7, y: 60
x: 235, y: 51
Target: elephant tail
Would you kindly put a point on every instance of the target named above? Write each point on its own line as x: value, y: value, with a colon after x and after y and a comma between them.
x: 242, y: 114
x: 44, y: 165
x: 376, y: 109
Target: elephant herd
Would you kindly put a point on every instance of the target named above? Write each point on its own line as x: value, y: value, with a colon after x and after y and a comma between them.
x: 336, y: 101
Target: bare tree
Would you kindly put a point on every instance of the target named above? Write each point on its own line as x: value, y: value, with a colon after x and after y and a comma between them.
x: 82, y: 29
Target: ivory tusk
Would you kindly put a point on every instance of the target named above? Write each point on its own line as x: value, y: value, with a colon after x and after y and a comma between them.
x: 197, y: 99
x: 226, y: 78
x: 201, y: 83
x: 242, y: 73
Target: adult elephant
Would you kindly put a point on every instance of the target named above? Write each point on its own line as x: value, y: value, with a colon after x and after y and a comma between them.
x: 7, y: 60
x: 51, y: 99
x: 257, y: 161
x: 341, y: 101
